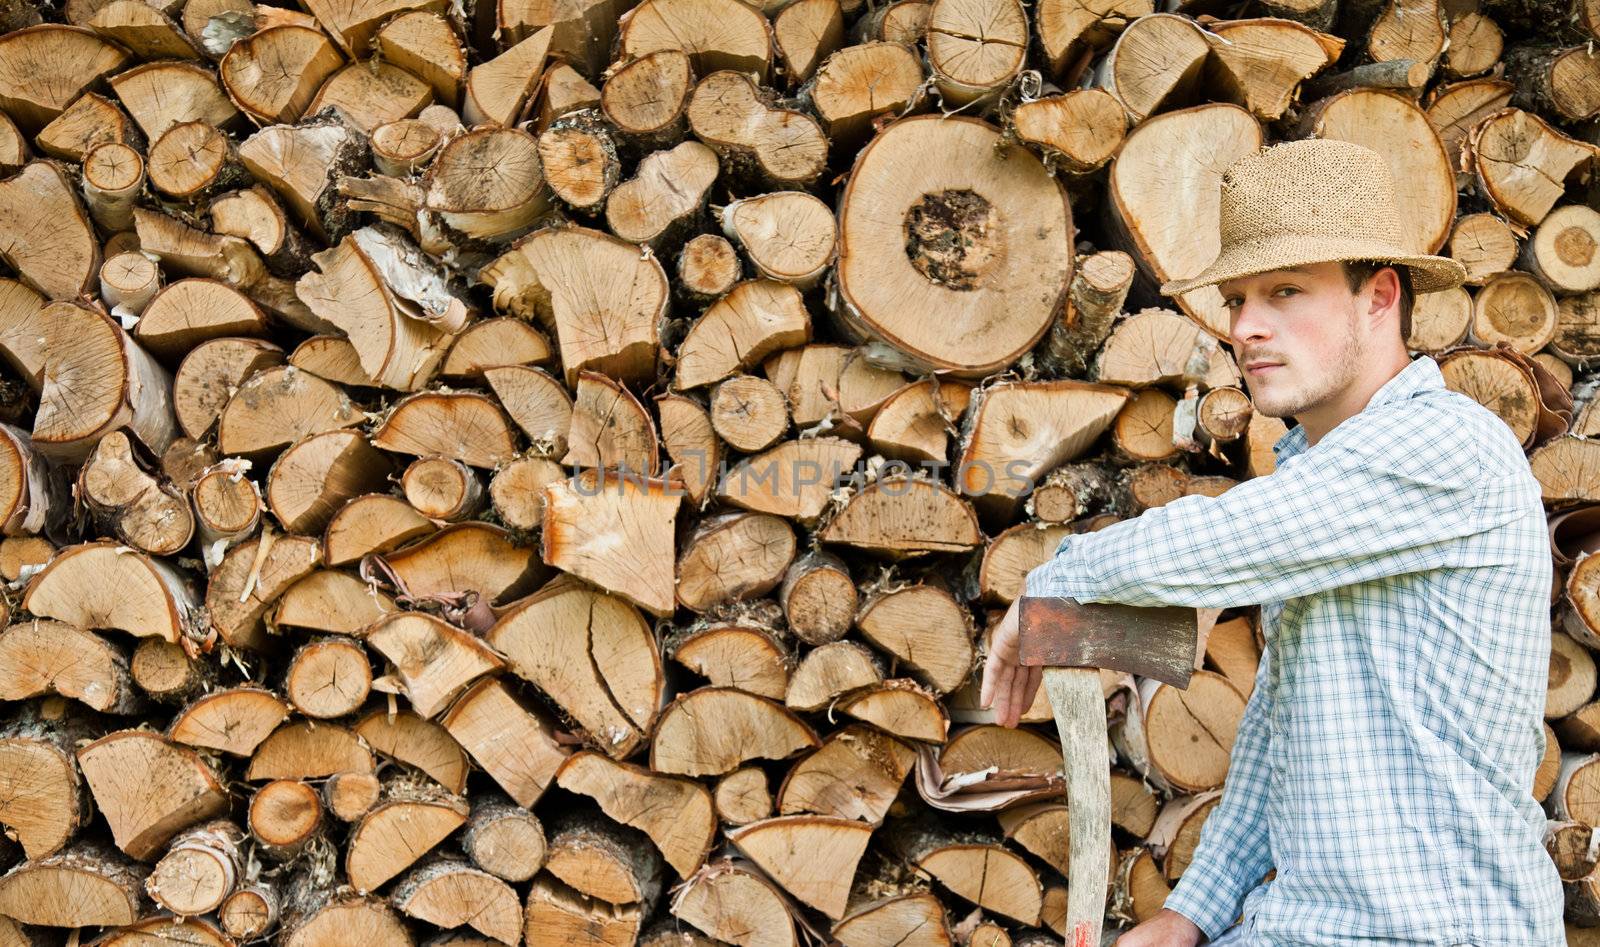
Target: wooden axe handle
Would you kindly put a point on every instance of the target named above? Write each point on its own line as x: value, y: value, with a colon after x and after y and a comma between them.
x: 1080, y: 709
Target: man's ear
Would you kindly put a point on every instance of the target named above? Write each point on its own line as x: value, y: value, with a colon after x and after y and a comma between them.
x: 1384, y: 287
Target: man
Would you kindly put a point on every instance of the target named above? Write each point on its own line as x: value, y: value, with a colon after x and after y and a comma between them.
x: 1385, y: 759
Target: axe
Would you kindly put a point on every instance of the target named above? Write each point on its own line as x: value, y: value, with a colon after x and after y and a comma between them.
x: 1072, y: 640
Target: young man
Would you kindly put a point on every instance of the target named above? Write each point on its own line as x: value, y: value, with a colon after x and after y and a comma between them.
x: 1399, y: 553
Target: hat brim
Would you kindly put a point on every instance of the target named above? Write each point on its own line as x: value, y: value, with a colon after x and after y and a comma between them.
x: 1429, y: 274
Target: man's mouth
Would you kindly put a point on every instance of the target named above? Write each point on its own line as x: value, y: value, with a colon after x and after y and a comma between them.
x: 1261, y: 368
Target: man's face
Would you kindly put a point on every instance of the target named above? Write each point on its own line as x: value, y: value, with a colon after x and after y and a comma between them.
x: 1304, y: 323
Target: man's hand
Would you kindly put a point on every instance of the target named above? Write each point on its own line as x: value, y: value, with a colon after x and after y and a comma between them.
x: 1165, y: 929
x: 1007, y: 686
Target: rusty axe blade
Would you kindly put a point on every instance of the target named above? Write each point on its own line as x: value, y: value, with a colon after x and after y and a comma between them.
x: 1150, y: 642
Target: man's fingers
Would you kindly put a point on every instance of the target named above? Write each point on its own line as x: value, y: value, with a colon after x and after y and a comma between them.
x: 1018, y: 701
x: 996, y: 680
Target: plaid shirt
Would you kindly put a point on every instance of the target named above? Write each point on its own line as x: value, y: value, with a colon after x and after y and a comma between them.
x: 1384, y: 764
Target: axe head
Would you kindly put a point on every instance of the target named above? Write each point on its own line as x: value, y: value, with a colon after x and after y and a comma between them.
x: 1151, y: 642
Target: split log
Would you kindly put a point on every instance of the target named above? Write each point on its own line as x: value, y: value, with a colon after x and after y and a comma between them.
x: 447, y: 892
x: 514, y: 745
x: 675, y: 813
x: 44, y: 803
x: 87, y: 885
x: 711, y: 731
x: 735, y: 904
x: 748, y: 657
x: 859, y: 85
x: 416, y: 741
x: 587, y: 513
x: 412, y: 818
x: 973, y: 867
x: 497, y: 90
x: 149, y: 789
x: 823, y: 881
x: 234, y: 720
x: 722, y: 34
x: 742, y: 796
x: 298, y: 750
x: 856, y: 774
x: 733, y: 557
x: 52, y: 65
x: 60, y: 261
x: 432, y: 659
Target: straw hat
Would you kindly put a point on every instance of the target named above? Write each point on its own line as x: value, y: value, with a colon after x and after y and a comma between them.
x: 1313, y: 201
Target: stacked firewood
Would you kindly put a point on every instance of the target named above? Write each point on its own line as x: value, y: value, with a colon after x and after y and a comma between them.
x: 494, y: 472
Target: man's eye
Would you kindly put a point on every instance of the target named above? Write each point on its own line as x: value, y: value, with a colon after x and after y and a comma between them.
x: 1232, y: 302
x: 1288, y: 289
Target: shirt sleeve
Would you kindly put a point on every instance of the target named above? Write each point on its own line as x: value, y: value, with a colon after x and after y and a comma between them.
x: 1234, y: 851
x: 1365, y: 502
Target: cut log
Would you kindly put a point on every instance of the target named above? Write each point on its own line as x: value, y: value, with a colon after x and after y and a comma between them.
x: 733, y: 557
x: 235, y: 720
x: 738, y: 331
x: 465, y: 558
x: 721, y: 34
x: 101, y: 585
x: 349, y: 796
x: 735, y: 904
x: 495, y: 343
x: 87, y: 885
x: 600, y: 295
x: 901, y: 517
x: 50, y: 657
x: 504, y: 839
x: 901, y: 708
x: 413, y: 817
x: 1564, y: 252
x: 315, y: 915
x: 555, y: 914
x: 447, y: 892
x: 113, y: 178
x: 274, y: 74
x: 794, y: 479
x: 963, y: 215
x: 48, y: 66
x: 371, y: 523
x: 818, y: 597
x: 1516, y: 309
x: 748, y: 657
x: 588, y: 514
x: 250, y: 579
x: 1015, y: 433
x: 1521, y: 163
x: 749, y: 412
x: 1562, y: 83
x: 458, y: 201
x: 498, y: 89
x: 580, y: 160
x: 856, y: 774
x: 657, y: 206
x: 61, y: 260
x: 299, y: 750
x: 405, y: 146
x: 858, y: 85
x: 675, y: 813
x: 805, y: 33
x: 512, y: 744
x: 318, y: 474
x: 302, y: 164
x: 713, y: 730
x: 925, y: 628
x: 330, y: 601
x: 408, y: 738
x: 917, y: 918
x: 190, y: 251
x: 166, y: 672
x: 328, y: 677
x: 43, y: 803
x: 834, y: 847
x: 250, y: 912
x: 372, y: 93
x: 144, y: 512
x: 972, y: 866
x: 149, y: 789
x: 200, y: 869
x: 975, y: 48
x: 594, y: 655
x: 434, y: 661
x: 517, y: 491
x: 742, y: 796
x: 602, y: 860
x: 1181, y: 739
x: 829, y: 671
x: 782, y: 148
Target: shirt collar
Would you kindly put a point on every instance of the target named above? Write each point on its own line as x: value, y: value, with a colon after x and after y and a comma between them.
x: 1421, y: 375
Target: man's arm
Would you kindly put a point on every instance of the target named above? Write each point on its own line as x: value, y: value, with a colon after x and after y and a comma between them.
x: 1234, y: 851
x: 1363, y: 504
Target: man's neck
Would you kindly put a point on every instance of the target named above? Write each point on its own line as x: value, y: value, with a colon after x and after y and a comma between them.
x: 1329, y: 415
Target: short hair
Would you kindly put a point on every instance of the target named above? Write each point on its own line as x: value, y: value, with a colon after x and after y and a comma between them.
x: 1357, y: 272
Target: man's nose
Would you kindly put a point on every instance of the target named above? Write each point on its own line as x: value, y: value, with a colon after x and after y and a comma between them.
x: 1249, y: 325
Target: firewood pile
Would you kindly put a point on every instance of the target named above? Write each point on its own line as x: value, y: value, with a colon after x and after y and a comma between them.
x: 512, y: 472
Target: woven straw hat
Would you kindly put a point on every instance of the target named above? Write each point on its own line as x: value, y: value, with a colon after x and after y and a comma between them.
x: 1313, y: 201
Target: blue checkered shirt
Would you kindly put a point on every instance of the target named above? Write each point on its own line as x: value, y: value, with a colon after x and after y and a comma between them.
x: 1384, y: 764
